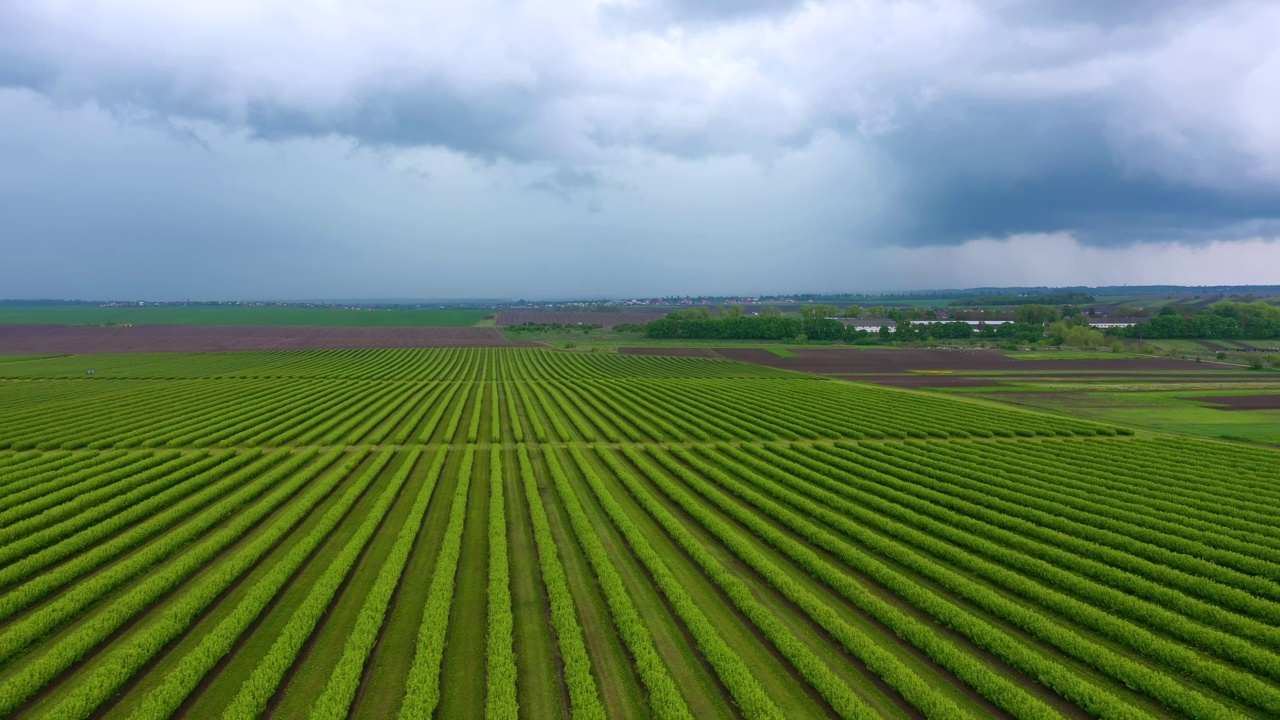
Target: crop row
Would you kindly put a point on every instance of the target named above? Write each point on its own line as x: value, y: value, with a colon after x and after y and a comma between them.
x: 422, y: 688
x: 501, y: 701
x: 99, y: 543
x: 390, y: 364
x: 959, y: 576
x: 664, y: 696
x: 121, y: 663
x: 584, y: 697
x: 978, y: 629
x: 343, y: 412
x: 52, y: 660
x: 1047, y: 586
x: 897, y: 486
x: 989, y: 485
x: 262, y: 682
x: 991, y: 684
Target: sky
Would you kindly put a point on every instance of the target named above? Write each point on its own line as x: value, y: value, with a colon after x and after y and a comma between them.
x: 587, y: 149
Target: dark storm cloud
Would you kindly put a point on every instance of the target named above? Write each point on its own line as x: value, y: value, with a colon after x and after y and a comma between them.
x: 1107, y: 13
x: 410, y: 115
x: 996, y: 170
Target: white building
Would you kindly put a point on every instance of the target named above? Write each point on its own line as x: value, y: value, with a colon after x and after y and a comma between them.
x: 868, y: 324
x: 971, y: 323
x: 1104, y: 323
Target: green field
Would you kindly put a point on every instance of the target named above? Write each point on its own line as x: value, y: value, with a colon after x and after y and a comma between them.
x: 237, y: 315
x: 531, y: 533
x: 1162, y: 408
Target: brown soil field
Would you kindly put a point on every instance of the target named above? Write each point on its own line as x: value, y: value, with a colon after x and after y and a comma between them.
x: 507, y: 318
x: 73, y: 339
x: 1244, y: 402
x: 850, y: 362
x: 670, y: 351
x: 926, y: 381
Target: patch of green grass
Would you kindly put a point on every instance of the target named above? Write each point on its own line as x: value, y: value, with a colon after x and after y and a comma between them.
x: 780, y: 351
x: 236, y: 315
x: 1190, y: 345
x: 1165, y: 411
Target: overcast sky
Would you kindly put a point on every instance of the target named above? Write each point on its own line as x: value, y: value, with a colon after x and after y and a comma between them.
x: 570, y: 148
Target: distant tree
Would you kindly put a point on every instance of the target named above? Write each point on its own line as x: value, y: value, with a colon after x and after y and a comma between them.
x: 853, y: 311
x: 877, y: 311
x: 817, y: 312
x: 1036, y: 314
x: 1061, y: 333
x: 694, y: 313
x: 731, y: 310
x: 770, y: 311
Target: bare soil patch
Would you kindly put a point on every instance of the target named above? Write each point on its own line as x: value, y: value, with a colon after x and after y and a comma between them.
x: 851, y: 362
x: 506, y: 318
x: 1244, y: 402
x: 928, y: 381
x: 72, y: 339
x: 669, y: 351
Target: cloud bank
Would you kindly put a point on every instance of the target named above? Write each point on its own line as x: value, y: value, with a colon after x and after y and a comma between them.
x: 829, y: 127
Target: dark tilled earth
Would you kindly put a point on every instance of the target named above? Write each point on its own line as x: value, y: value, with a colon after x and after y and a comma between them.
x: 884, y: 362
x: 1243, y: 402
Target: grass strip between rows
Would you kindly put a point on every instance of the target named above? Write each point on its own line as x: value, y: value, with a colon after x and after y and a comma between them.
x: 422, y: 688
x: 52, y: 661
x: 344, y: 682
x: 262, y: 683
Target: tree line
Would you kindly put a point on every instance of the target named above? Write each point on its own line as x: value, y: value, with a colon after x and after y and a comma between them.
x: 1225, y: 320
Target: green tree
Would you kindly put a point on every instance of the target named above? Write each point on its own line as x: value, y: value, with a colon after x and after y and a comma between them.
x: 817, y: 312
x: 1061, y: 333
x: 694, y: 313
x: 1036, y: 314
x: 853, y: 311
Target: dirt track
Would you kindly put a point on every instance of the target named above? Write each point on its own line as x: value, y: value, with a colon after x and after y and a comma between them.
x: 72, y: 339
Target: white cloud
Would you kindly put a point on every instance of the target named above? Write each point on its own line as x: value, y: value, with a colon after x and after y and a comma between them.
x: 584, y: 83
x: 708, y: 146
